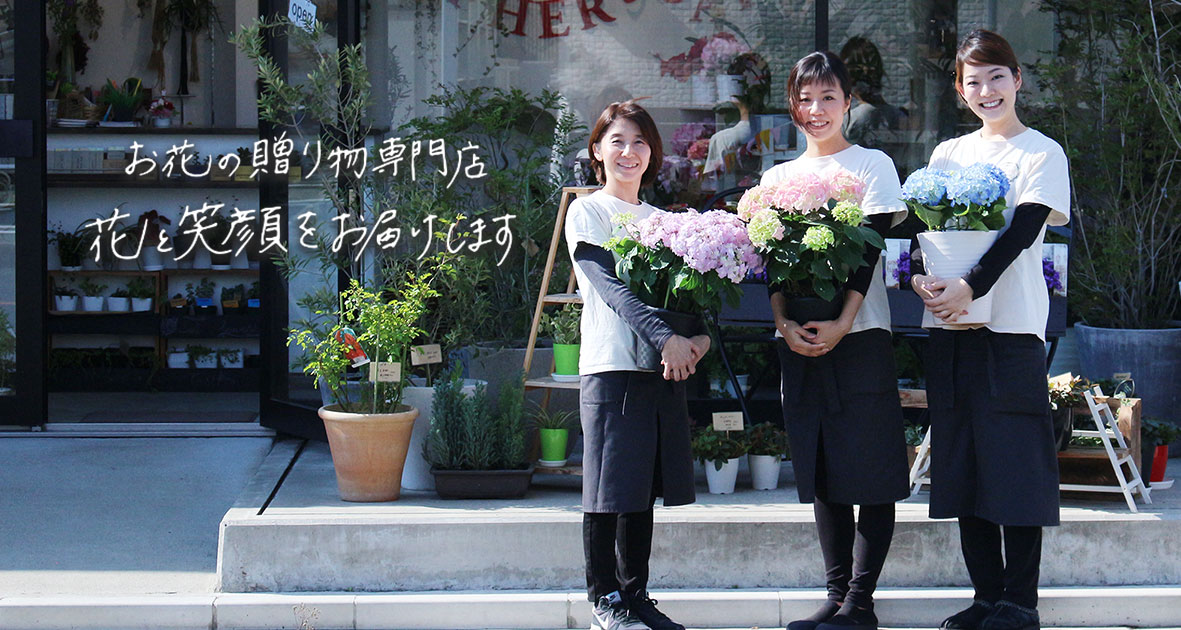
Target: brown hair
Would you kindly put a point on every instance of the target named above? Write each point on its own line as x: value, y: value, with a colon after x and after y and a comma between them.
x: 984, y: 48
x: 633, y: 112
x: 822, y: 66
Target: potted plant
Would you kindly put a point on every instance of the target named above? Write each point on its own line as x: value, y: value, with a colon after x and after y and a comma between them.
x: 161, y: 111
x: 92, y: 295
x: 1155, y: 437
x: 720, y: 454
x: 120, y: 102
x: 68, y: 18
x: 149, y: 226
x: 368, y: 430
x: 1125, y: 264
x: 201, y: 356
x: 65, y: 298
x: 243, y: 174
x: 7, y: 354
x: 218, y: 237
x: 914, y: 439
x: 178, y: 358
x: 1066, y: 393
x: 564, y: 328
x: 476, y: 448
x: 201, y: 297
x: 230, y: 358
x: 71, y: 246
x: 232, y: 298
x: 767, y: 446
x: 119, y: 301
x: 553, y: 429
x: 253, y: 301
x: 142, y: 290
x: 963, y: 211
x: 178, y: 304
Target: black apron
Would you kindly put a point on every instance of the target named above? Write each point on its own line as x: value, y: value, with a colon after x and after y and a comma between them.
x: 631, y: 422
x: 993, y: 453
x: 846, y: 402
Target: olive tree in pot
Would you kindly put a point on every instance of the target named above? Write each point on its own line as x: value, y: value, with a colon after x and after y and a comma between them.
x: 368, y: 427
x: 1124, y: 148
x: 767, y: 447
x: 477, y: 450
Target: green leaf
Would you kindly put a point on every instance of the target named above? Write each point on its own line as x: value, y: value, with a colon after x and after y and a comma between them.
x: 824, y: 290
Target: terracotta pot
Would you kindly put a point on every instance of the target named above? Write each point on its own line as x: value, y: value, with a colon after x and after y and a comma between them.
x: 368, y: 451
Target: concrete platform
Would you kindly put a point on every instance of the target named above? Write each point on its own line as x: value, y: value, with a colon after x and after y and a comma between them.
x: 307, y: 539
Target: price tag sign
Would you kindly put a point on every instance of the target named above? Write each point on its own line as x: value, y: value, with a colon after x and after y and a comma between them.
x: 1121, y: 376
x: 727, y: 421
x: 229, y: 303
x: 302, y: 13
x: 384, y: 372
x: 178, y: 302
x: 425, y: 355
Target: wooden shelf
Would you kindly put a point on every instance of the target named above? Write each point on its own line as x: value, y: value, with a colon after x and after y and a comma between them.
x: 1083, y: 452
x: 548, y: 382
x: 155, y: 131
x: 563, y: 298
x: 119, y: 180
x: 575, y: 471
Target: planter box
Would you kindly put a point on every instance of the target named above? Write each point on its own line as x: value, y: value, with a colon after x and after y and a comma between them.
x: 482, y: 484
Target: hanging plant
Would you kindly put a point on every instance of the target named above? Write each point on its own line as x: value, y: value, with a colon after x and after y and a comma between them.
x: 190, y: 16
x: 67, y: 17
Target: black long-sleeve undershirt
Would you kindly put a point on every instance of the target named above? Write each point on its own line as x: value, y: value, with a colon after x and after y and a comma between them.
x: 862, y: 277
x: 599, y: 266
x: 1026, y: 224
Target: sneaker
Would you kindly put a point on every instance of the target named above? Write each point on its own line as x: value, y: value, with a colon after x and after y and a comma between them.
x: 1010, y: 616
x: 644, y: 607
x: 970, y: 617
x: 610, y: 613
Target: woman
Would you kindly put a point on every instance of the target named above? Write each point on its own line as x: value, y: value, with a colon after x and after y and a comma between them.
x: 993, y: 462
x: 840, y: 393
x: 635, y: 423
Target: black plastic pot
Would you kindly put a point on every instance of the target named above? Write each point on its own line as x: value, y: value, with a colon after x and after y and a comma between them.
x: 803, y: 309
x: 684, y: 324
x: 482, y: 484
x: 1063, y: 426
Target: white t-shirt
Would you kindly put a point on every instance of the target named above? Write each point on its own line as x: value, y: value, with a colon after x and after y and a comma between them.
x: 1038, y: 173
x: 883, y: 194
x: 608, y: 343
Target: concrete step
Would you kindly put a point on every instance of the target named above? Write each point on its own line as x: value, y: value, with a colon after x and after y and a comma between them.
x: 1140, y: 607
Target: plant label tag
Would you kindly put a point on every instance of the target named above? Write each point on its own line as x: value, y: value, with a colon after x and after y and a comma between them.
x: 204, y: 301
x: 727, y: 421
x: 178, y: 302
x: 1121, y: 376
x: 384, y: 372
x: 229, y: 303
x: 426, y: 355
x: 302, y: 13
x: 253, y: 303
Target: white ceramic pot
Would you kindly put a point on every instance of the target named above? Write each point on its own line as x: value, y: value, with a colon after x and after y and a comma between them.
x: 139, y: 305
x: 150, y: 258
x: 206, y: 362
x: 118, y: 304
x: 92, y: 304
x: 722, y: 481
x: 764, y: 471
x: 178, y: 360
x: 231, y: 364
x: 239, y: 261
x: 65, y: 303
x: 952, y: 254
x: 161, y: 121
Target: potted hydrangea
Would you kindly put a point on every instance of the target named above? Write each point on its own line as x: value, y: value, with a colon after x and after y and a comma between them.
x: 767, y: 447
x: 963, y: 211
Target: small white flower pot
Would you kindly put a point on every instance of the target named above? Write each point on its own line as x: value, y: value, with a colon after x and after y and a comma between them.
x: 161, y: 121
x: 150, y: 258
x: 178, y: 360
x: 65, y: 303
x: 764, y: 471
x: 92, y: 303
x: 722, y: 481
x: 207, y: 362
x: 231, y: 364
x: 118, y: 304
x: 139, y: 305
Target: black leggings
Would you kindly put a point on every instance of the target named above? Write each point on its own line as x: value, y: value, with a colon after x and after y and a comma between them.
x: 1012, y: 577
x: 853, y: 553
x: 617, y: 548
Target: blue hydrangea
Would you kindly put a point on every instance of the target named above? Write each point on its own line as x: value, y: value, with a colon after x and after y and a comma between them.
x: 981, y: 184
x: 926, y: 186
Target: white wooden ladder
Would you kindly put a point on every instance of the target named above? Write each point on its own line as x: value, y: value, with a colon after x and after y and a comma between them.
x: 1108, y: 431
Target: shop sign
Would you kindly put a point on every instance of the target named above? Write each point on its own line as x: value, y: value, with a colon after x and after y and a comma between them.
x: 302, y: 13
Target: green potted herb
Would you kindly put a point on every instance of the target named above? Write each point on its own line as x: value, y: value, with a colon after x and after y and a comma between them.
x: 230, y: 358
x: 201, y: 356
x: 141, y: 289
x: 92, y: 295
x: 121, y: 101
x: 232, y: 299
x: 564, y: 328
x: 202, y: 297
x: 119, y: 301
x: 65, y: 298
x: 719, y: 452
x: 180, y: 304
x: 553, y: 429
x: 71, y: 247
x: 253, y: 301
x: 767, y: 446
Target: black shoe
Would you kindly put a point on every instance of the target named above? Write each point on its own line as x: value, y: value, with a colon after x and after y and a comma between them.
x: 610, y: 613
x: 851, y: 618
x: 644, y: 608
x: 1010, y: 616
x: 970, y: 617
x: 823, y: 614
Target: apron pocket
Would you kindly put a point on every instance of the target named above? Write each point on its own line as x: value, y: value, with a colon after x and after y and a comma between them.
x: 603, y: 388
x: 1018, y: 374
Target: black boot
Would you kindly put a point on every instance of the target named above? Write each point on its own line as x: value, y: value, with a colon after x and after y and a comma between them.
x: 1010, y: 616
x: 970, y: 617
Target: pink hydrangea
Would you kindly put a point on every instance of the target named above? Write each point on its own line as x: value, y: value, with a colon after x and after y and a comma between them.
x: 710, y: 241
x: 799, y: 193
x: 753, y: 200
x: 845, y: 186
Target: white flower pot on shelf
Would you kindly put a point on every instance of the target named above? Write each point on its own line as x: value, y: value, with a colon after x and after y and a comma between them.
x: 65, y: 303
x: 118, y: 304
x: 150, y: 258
x: 231, y: 363
x: 139, y: 305
x: 92, y: 303
x: 764, y: 471
x: 161, y: 121
x: 178, y: 360
x: 952, y: 254
x: 206, y: 362
x: 239, y: 261
x: 722, y: 481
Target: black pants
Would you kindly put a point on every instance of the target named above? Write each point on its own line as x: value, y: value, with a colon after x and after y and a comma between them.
x: 854, y: 553
x: 617, y: 548
x: 1012, y: 577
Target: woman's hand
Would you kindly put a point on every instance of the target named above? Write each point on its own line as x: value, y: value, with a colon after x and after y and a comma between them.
x: 829, y: 333
x: 701, y: 345
x: 952, y: 298
x: 922, y: 285
x: 678, y: 358
x: 801, y: 340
